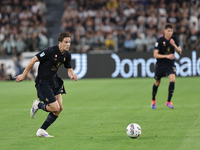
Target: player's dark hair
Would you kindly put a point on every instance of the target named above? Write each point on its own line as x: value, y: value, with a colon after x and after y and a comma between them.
x: 63, y: 35
x: 169, y: 25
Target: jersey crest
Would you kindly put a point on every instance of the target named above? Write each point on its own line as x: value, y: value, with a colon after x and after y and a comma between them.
x: 55, y: 57
x: 164, y: 44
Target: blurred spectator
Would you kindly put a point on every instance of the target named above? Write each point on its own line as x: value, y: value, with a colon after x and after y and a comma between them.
x: 42, y: 6
x: 9, y: 46
x: 150, y: 41
x: 129, y: 11
x: 3, y: 74
x: 32, y: 42
x: 129, y: 44
x: 76, y: 44
x: 87, y: 42
x: 193, y: 21
x: 43, y: 41
x: 112, y: 4
x: 140, y: 42
x: 193, y: 40
x: 172, y: 18
x: 34, y: 7
x: 109, y: 42
x: 152, y: 19
x: 121, y: 38
x: 20, y: 44
x: 99, y: 41
x: 182, y: 38
x: 17, y: 59
x: 131, y: 25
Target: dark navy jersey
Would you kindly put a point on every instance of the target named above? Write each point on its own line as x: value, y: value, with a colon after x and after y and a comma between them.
x: 50, y: 60
x: 165, y: 48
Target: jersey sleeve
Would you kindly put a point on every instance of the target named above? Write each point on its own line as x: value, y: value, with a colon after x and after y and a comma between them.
x: 43, y: 55
x: 157, y: 45
x: 67, y: 63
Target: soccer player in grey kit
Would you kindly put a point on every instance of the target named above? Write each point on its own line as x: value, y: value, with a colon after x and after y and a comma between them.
x: 49, y: 86
x: 164, y: 53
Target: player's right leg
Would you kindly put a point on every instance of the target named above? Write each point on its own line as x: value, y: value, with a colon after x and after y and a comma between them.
x: 154, y: 91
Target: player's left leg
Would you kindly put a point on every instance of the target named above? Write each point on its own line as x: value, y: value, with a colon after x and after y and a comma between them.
x: 171, y: 90
x: 53, y: 115
x: 34, y: 108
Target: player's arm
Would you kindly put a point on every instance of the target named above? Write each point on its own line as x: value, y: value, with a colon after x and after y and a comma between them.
x: 157, y: 55
x: 27, y: 69
x: 177, y: 48
x: 71, y: 74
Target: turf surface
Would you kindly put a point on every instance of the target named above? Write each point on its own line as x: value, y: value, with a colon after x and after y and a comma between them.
x: 96, y: 113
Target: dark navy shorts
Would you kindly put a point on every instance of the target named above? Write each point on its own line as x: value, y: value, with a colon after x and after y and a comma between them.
x: 48, y: 89
x: 163, y: 71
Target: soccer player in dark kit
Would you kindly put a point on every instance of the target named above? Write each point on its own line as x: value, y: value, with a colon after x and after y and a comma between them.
x: 49, y: 86
x: 164, y: 53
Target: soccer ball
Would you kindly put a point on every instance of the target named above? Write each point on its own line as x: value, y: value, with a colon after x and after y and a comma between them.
x: 133, y: 130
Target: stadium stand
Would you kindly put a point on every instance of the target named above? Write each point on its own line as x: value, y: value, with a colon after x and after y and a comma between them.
x: 118, y: 20
x: 97, y: 25
x: 22, y: 26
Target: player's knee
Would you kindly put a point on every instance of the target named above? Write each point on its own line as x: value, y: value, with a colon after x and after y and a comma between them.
x: 56, y: 109
x: 157, y: 83
x: 172, y: 80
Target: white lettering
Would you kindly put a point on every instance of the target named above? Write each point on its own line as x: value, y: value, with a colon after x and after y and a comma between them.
x: 186, y: 66
x: 136, y: 62
x: 198, y: 66
x: 122, y: 68
x: 185, y: 69
x: 148, y: 64
x: 117, y: 64
x: 80, y: 65
x: 194, y: 55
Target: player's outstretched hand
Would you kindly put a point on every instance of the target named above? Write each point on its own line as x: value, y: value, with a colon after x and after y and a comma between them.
x: 19, y: 78
x: 171, y: 56
x: 74, y: 78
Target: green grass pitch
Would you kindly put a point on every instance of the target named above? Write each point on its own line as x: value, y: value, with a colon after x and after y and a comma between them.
x: 96, y: 113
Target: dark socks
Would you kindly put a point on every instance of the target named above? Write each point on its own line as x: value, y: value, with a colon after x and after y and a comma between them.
x: 171, y: 91
x: 50, y: 119
x: 155, y: 88
x: 42, y: 106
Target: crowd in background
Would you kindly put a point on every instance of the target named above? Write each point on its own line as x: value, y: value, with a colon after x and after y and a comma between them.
x: 119, y: 25
x: 22, y: 26
x: 130, y: 25
x: 97, y: 25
